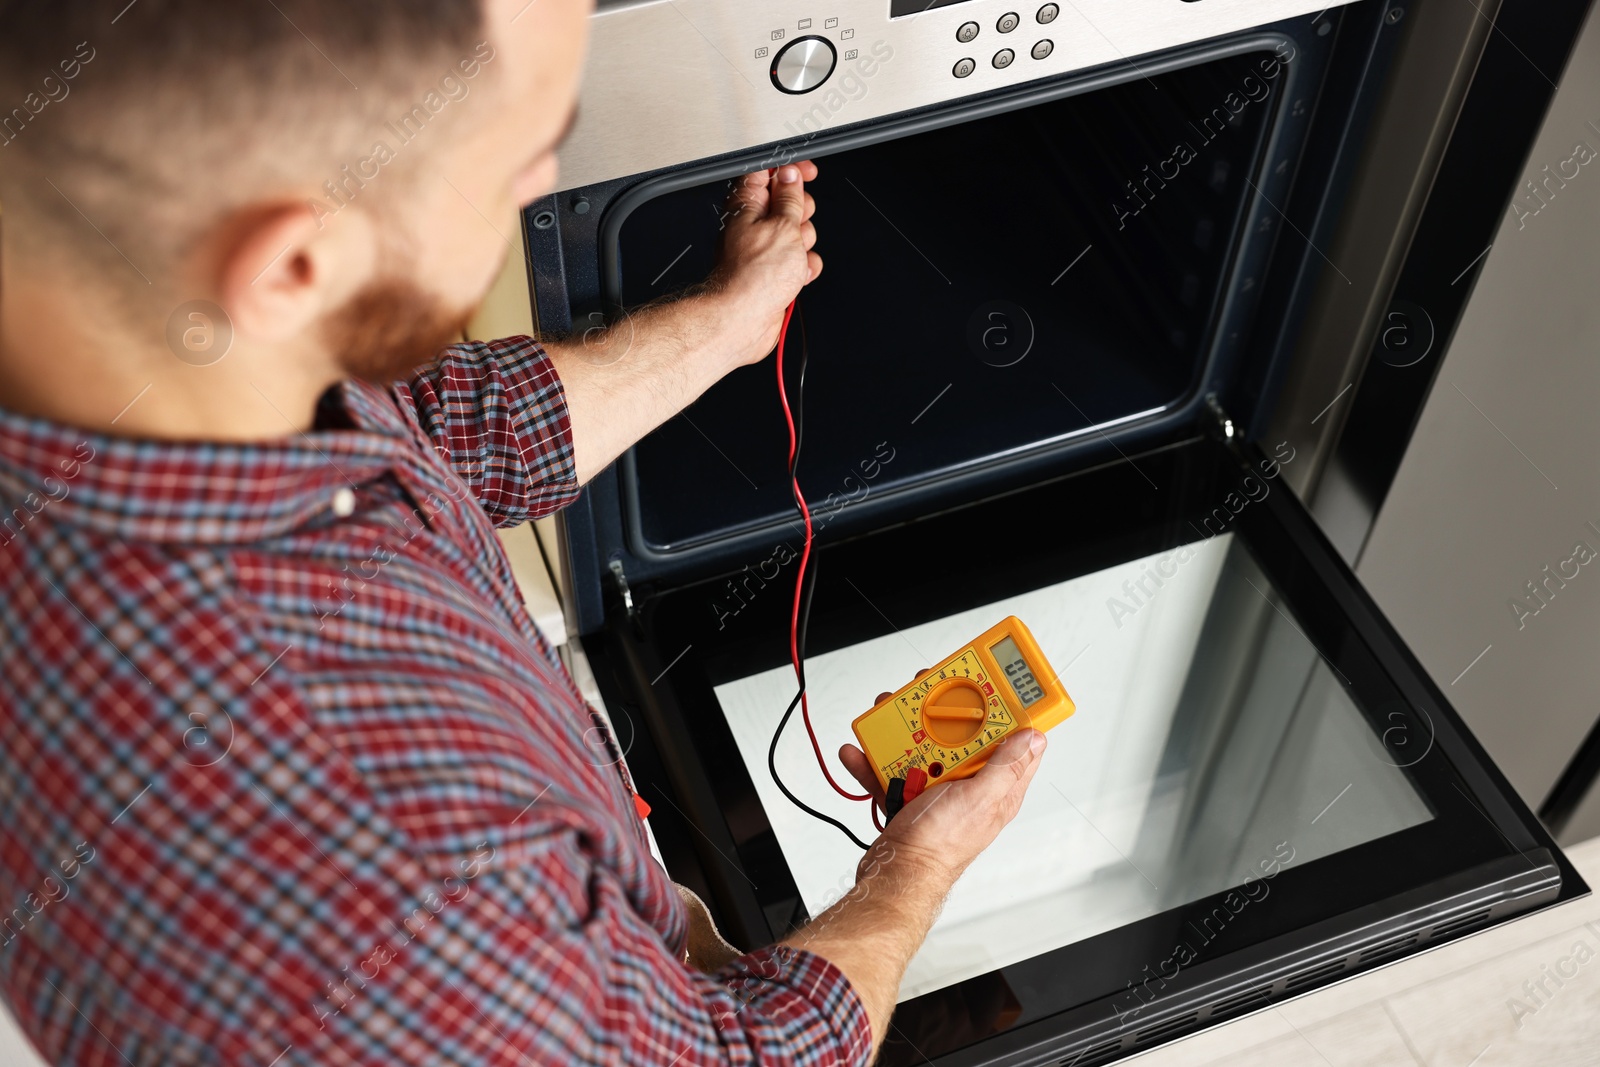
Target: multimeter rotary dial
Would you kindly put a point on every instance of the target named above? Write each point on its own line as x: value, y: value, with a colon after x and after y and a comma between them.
x: 954, y: 712
x: 951, y: 716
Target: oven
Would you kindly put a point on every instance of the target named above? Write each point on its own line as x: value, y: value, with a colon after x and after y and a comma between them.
x: 1108, y: 287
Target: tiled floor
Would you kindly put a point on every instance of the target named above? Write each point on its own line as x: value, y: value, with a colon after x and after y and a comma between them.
x: 1525, y: 994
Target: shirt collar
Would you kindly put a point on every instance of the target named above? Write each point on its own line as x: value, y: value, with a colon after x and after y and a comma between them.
x: 194, y: 492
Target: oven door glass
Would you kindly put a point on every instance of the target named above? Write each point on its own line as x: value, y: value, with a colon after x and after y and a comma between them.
x: 1260, y: 790
x: 1213, y: 747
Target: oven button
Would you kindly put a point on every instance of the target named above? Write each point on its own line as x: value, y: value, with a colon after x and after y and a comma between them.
x: 1047, y: 13
x: 1003, y: 58
x: 967, y: 32
x: 1042, y: 49
x: 1008, y: 22
x: 964, y: 67
x: 803, y: 64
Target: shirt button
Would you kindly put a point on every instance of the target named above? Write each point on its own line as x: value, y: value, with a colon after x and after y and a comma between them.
x: 344, y: 503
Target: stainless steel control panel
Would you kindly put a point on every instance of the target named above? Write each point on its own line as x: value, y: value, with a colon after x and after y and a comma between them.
x: 671, y: 81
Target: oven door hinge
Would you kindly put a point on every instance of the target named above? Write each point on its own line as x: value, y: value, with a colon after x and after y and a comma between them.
x: 622, y: 587
x: 1224, y: 423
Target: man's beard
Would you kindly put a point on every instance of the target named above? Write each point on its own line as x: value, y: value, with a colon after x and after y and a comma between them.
x: 391, y: 328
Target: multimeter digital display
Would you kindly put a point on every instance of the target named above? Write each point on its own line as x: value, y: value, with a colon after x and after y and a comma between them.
x: 1018, y: 674
x: 943, y: 725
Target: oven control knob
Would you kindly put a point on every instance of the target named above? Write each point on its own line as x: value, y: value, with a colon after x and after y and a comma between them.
x: 803, y: 64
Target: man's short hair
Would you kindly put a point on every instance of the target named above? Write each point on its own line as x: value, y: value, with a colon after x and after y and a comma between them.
x: 149, y: 120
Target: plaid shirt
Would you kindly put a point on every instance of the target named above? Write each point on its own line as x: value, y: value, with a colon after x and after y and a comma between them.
x: 289, y: 776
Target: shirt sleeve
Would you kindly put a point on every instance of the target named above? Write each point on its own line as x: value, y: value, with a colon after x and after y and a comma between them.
x: 540, y: 959
x: 497, y: 414
x: 548, y: 948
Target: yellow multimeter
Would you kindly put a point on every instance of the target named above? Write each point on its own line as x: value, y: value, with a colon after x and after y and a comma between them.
x: 943, y: 726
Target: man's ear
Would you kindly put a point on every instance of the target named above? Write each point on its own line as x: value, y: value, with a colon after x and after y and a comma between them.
x: 281, y: 270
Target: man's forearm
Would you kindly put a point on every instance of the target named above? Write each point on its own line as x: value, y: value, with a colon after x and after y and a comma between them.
x: 872, y: 932
x: 624, y: 380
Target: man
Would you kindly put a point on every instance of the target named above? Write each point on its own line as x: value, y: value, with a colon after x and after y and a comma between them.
x: 289, y: 777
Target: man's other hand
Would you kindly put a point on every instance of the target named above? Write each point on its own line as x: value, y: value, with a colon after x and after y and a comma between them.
x: 765, y: 257
x: 623, y: 380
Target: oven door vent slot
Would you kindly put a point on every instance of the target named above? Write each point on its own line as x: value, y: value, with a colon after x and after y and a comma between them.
x: 1241, y: 1001
x: 1095, y: 1055
x: 1316, y: 974
x: 1379, y: 953
x: 1166, y: 1029
x: 1455, y: 926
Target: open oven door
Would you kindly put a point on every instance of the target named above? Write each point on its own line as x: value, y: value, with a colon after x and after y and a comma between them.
x: 1261, y: 790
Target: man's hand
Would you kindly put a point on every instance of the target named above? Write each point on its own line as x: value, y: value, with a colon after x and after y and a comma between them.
x: 902, y: 881
x: 946, y: 826
x: 974, y: 810
x: 874, y: 930
x: 623, y: 380
x: 766, y: 255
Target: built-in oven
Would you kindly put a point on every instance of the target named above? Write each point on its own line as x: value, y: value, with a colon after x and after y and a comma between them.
x: 1075, y: 357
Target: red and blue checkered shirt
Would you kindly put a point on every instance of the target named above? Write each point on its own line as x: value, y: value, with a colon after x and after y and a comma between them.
x: 288, y: 775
